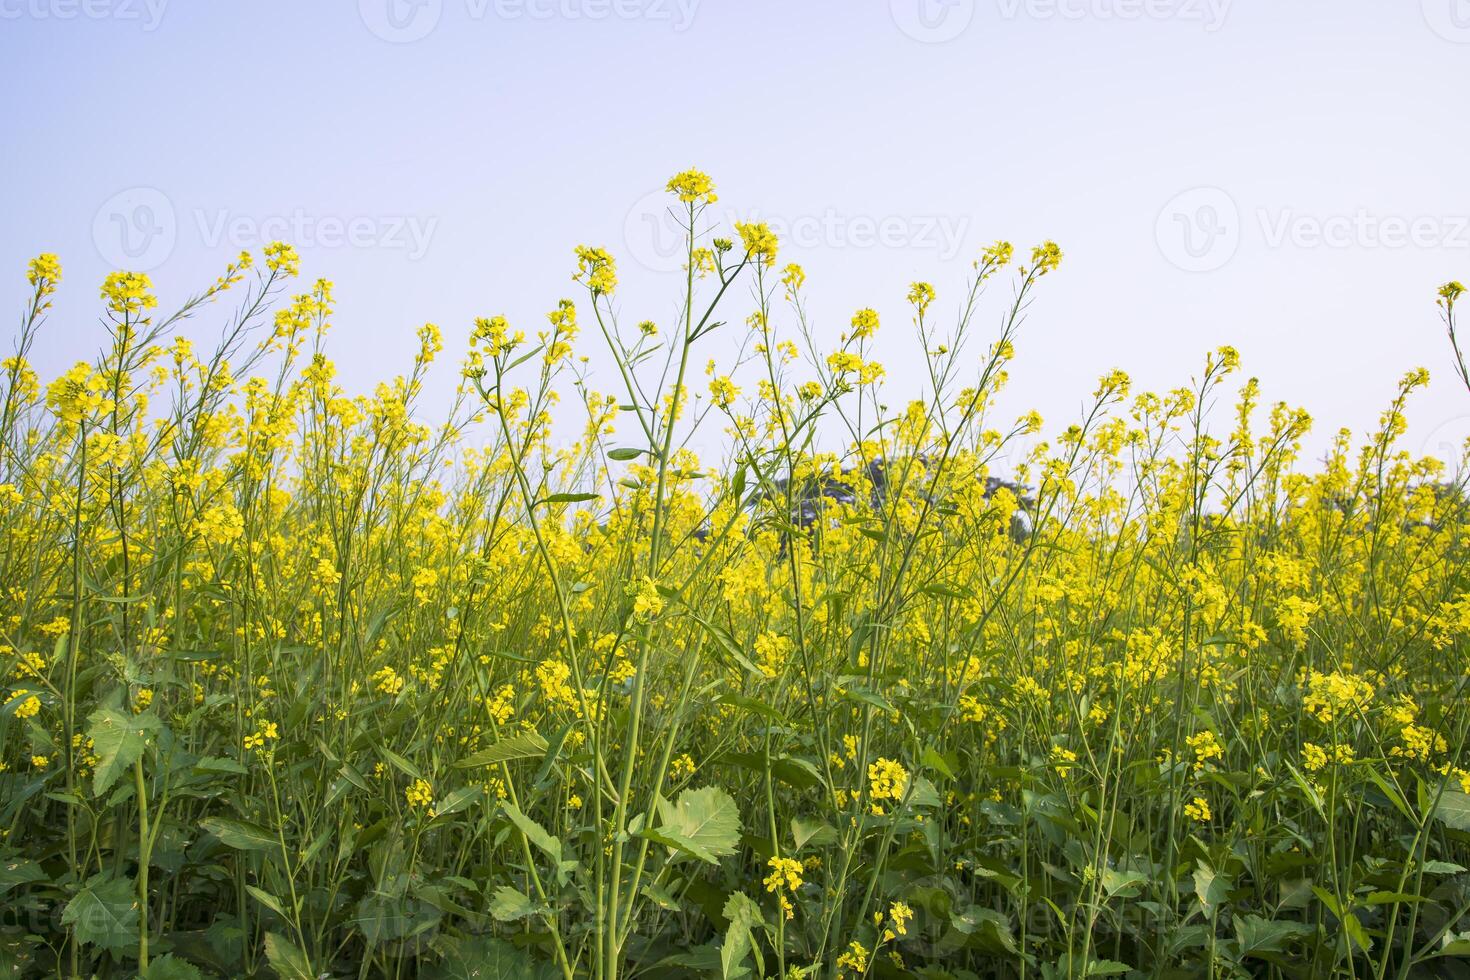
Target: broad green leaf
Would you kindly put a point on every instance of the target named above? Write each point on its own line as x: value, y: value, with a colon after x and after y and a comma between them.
x: 527, y: 745
x: 848, y: 689
x: 659, y: 896
x: 485, y: 958
x: 267, y: 899
x: 1124, y: 883
x: 289, y: 962
x: 1393, y: 898
x: 535, y: 833
x: 923, y: 793
x: 400, y: 763
x: 988, y: 929
x: 508, y: 904
x: 1443, y: 868
x: 1454, y: 810
x: 118, y: 740
x: 754, y: 706
x: 1257, y: 935
x: 239, y: 834
x: 818, y: 833
x: 727, y: 644
x: 211, y: 763
x: 1392, y: 795
x: 105, y: 913
x: 937, y: 762
x: 1454, y: 944
x: 1210, y: 887
x: 170, y: 967
x: 702, y: 822
x: 13, y: 873
x: 742, y: 915
x: 457, y: 800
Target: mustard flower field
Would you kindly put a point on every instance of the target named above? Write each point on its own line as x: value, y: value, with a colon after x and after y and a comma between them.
x: 297, y: 682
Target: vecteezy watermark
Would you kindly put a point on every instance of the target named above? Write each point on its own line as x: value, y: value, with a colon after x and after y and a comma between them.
x: 655, y: 234
x: 148, y: 14
x: 1210, y: 14
x: 1362, y: 229
x: 405, y: 21
x: 1449, y: 441
x: 409, y: 234
x: 139, y: 228
x: 136, y: 229
x: 936, y: 21
x: 1199, y: 230
x: 932, y: 21
x: 1450, y: 19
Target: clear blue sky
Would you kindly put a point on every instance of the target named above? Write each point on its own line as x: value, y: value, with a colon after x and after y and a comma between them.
x: 1288, y: 177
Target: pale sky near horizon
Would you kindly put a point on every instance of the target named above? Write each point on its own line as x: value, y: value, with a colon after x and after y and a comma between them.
x: 1287, y: 176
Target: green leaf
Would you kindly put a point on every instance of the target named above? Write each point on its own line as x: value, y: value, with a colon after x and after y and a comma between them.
x: 1454, y: 810
x: 508, y: 905
x: 485, y: 958
x: 659, y: 896
x: 567, y: 498
x: 1106, y: 968
x: 400, y: 763
x: 211, y: 763
x: 743, y: 915
x: 457, y: 800
x: 535, y: 833
x: 105, y: 913
x: 937, y: 762
x: 1210, y: 887
x: 1258, y: 935
x: 118, y: 741
x: 267, y: 899
x: 527, y: 745
x: 754, y: 706
x: 625, y: 454
x: 818, y: 833
x: 988, y: 929
x: 702, y: 822
x: 1122, y: 883
x: 170, y: 967
x: 727, y: 645
x: 1454, y: 944
x: 289, y: 962
x: 14, y: 873
x: 239, y: 834
x: 923, y: 793
x: 1393, y: 795
x: 861, y: 694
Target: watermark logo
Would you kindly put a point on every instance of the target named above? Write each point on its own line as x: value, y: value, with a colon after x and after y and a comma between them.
x: 409, y: 234
x: 1199, y: 230
x: 136, y: 229
x: 148, y: 14
x: 1210, y: 14
x: 1450, y: 19
x: 405, y: 21
x: 1448, y: 441
x: 937, y: 21
x: 655, y: 231
x: 401, y: 21
x: 1362, y: 229
x: 932, y: 21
